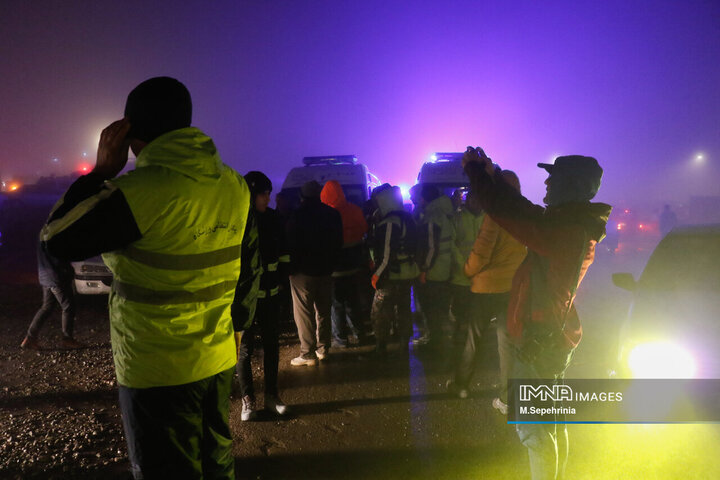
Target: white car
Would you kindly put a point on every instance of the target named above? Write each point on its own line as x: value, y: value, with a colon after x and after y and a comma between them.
x: 444, y: 171
x: 92, y: 277
x: 355, y: 178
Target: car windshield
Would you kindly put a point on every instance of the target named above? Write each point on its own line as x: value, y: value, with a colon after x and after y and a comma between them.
x: 686, y: 260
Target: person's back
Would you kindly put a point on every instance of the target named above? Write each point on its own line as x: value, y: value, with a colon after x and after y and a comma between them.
x: 171, y: 232
x: 184, y: 201
x: 314, y: 237
x: 395, y: 268
x: 348, y: 307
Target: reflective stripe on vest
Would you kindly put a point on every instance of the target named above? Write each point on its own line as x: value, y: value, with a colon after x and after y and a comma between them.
x: 193, y: 261
x: 272, y: 267
x: 139, y: 294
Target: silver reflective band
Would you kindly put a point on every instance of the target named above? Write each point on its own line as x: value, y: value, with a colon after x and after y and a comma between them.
x: 194, y: 261
x: 139, y: 294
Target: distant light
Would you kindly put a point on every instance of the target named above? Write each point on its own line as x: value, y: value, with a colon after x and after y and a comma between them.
x: 699, y: 159
x: 83, y: 168
x: 14, y: 187
x: 620, y: 226
x: 627, y: 211
x: 55, y: 160
x: 84, y: 154
x: 641, y: 226
x: 433, y: 157
x: 405, y: 190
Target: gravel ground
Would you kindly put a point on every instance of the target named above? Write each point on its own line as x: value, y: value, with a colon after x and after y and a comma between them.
x: 350, y: 418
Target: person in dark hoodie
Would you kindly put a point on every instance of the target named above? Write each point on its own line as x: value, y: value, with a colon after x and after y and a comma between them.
x: 542, y: 320
x: 347, y: 301
x: 314, y: 236
x: 55, y: 277
x: 266, y: 318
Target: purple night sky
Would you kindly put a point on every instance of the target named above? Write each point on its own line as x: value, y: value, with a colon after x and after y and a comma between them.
x: 634, y: 83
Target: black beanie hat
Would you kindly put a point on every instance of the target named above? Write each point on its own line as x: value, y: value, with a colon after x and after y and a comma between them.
x: 258, y: 182
x: 157, y: 106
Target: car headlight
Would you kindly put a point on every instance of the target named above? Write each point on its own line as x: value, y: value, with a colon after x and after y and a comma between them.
x: 661, y: 360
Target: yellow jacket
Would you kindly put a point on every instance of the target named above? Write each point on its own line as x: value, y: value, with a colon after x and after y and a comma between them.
x: 493, y: 260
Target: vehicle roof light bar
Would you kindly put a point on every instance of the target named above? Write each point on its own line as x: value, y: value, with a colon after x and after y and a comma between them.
x: 331, y: 160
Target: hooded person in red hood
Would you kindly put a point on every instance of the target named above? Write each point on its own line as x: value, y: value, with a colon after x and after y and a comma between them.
x: 347, y: 299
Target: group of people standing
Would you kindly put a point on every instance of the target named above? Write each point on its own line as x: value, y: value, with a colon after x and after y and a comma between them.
x: 199, y: 262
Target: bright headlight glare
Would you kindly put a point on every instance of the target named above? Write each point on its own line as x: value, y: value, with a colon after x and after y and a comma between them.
x: 661, y: 360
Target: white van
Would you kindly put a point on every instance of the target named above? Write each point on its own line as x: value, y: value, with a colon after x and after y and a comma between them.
x: 92, y: 277
x: 444, y: 171
x: 356, y: 180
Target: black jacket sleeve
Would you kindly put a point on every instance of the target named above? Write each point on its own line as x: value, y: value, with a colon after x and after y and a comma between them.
x: 90, y: 219
x: 246, y: 291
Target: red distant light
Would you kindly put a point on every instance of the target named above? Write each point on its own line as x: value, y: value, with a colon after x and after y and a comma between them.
x: 83, y: 168
x: 620, y: 226
x: 641, y: 226
x: 627, y: 211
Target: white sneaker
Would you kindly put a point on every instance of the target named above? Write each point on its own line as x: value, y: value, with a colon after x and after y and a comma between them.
x: 500, y: 406
x: 320, y: 356
x: 248, y: 408
x: 303, y: 360
x: 274, y: 404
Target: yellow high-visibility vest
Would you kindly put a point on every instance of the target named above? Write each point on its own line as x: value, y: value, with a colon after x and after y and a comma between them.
x: 170, y: 301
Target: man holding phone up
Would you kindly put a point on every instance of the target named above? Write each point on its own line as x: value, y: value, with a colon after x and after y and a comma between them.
x: 541, y: 319
x: 170, y: 231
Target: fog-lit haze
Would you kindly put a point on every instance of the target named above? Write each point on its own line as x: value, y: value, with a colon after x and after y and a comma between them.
x: 634, y: 83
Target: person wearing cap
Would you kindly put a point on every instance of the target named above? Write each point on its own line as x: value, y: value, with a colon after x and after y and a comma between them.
x: 171, y: 232
x: 265, y: 320
x: 542, y: 321
x: 314, y: 235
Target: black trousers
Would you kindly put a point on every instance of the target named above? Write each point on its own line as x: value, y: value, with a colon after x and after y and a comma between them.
x: 434, y: 298
x: 180, y: 431
x: 62, y: 295
x: 484, y: 307
x: 267, y: 324
x: 348, y: 309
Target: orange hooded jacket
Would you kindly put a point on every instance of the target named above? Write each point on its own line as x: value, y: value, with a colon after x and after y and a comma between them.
x: 354, y: 224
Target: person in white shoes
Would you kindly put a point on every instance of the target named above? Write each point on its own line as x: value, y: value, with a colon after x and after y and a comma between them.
x: 265, y: 320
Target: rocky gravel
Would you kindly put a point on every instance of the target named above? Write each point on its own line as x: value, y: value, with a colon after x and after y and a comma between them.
x: 58, y: 408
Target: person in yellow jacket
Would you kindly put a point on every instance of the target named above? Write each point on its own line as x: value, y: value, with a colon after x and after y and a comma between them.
x: 491, y: 265
x: 171, y: 232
